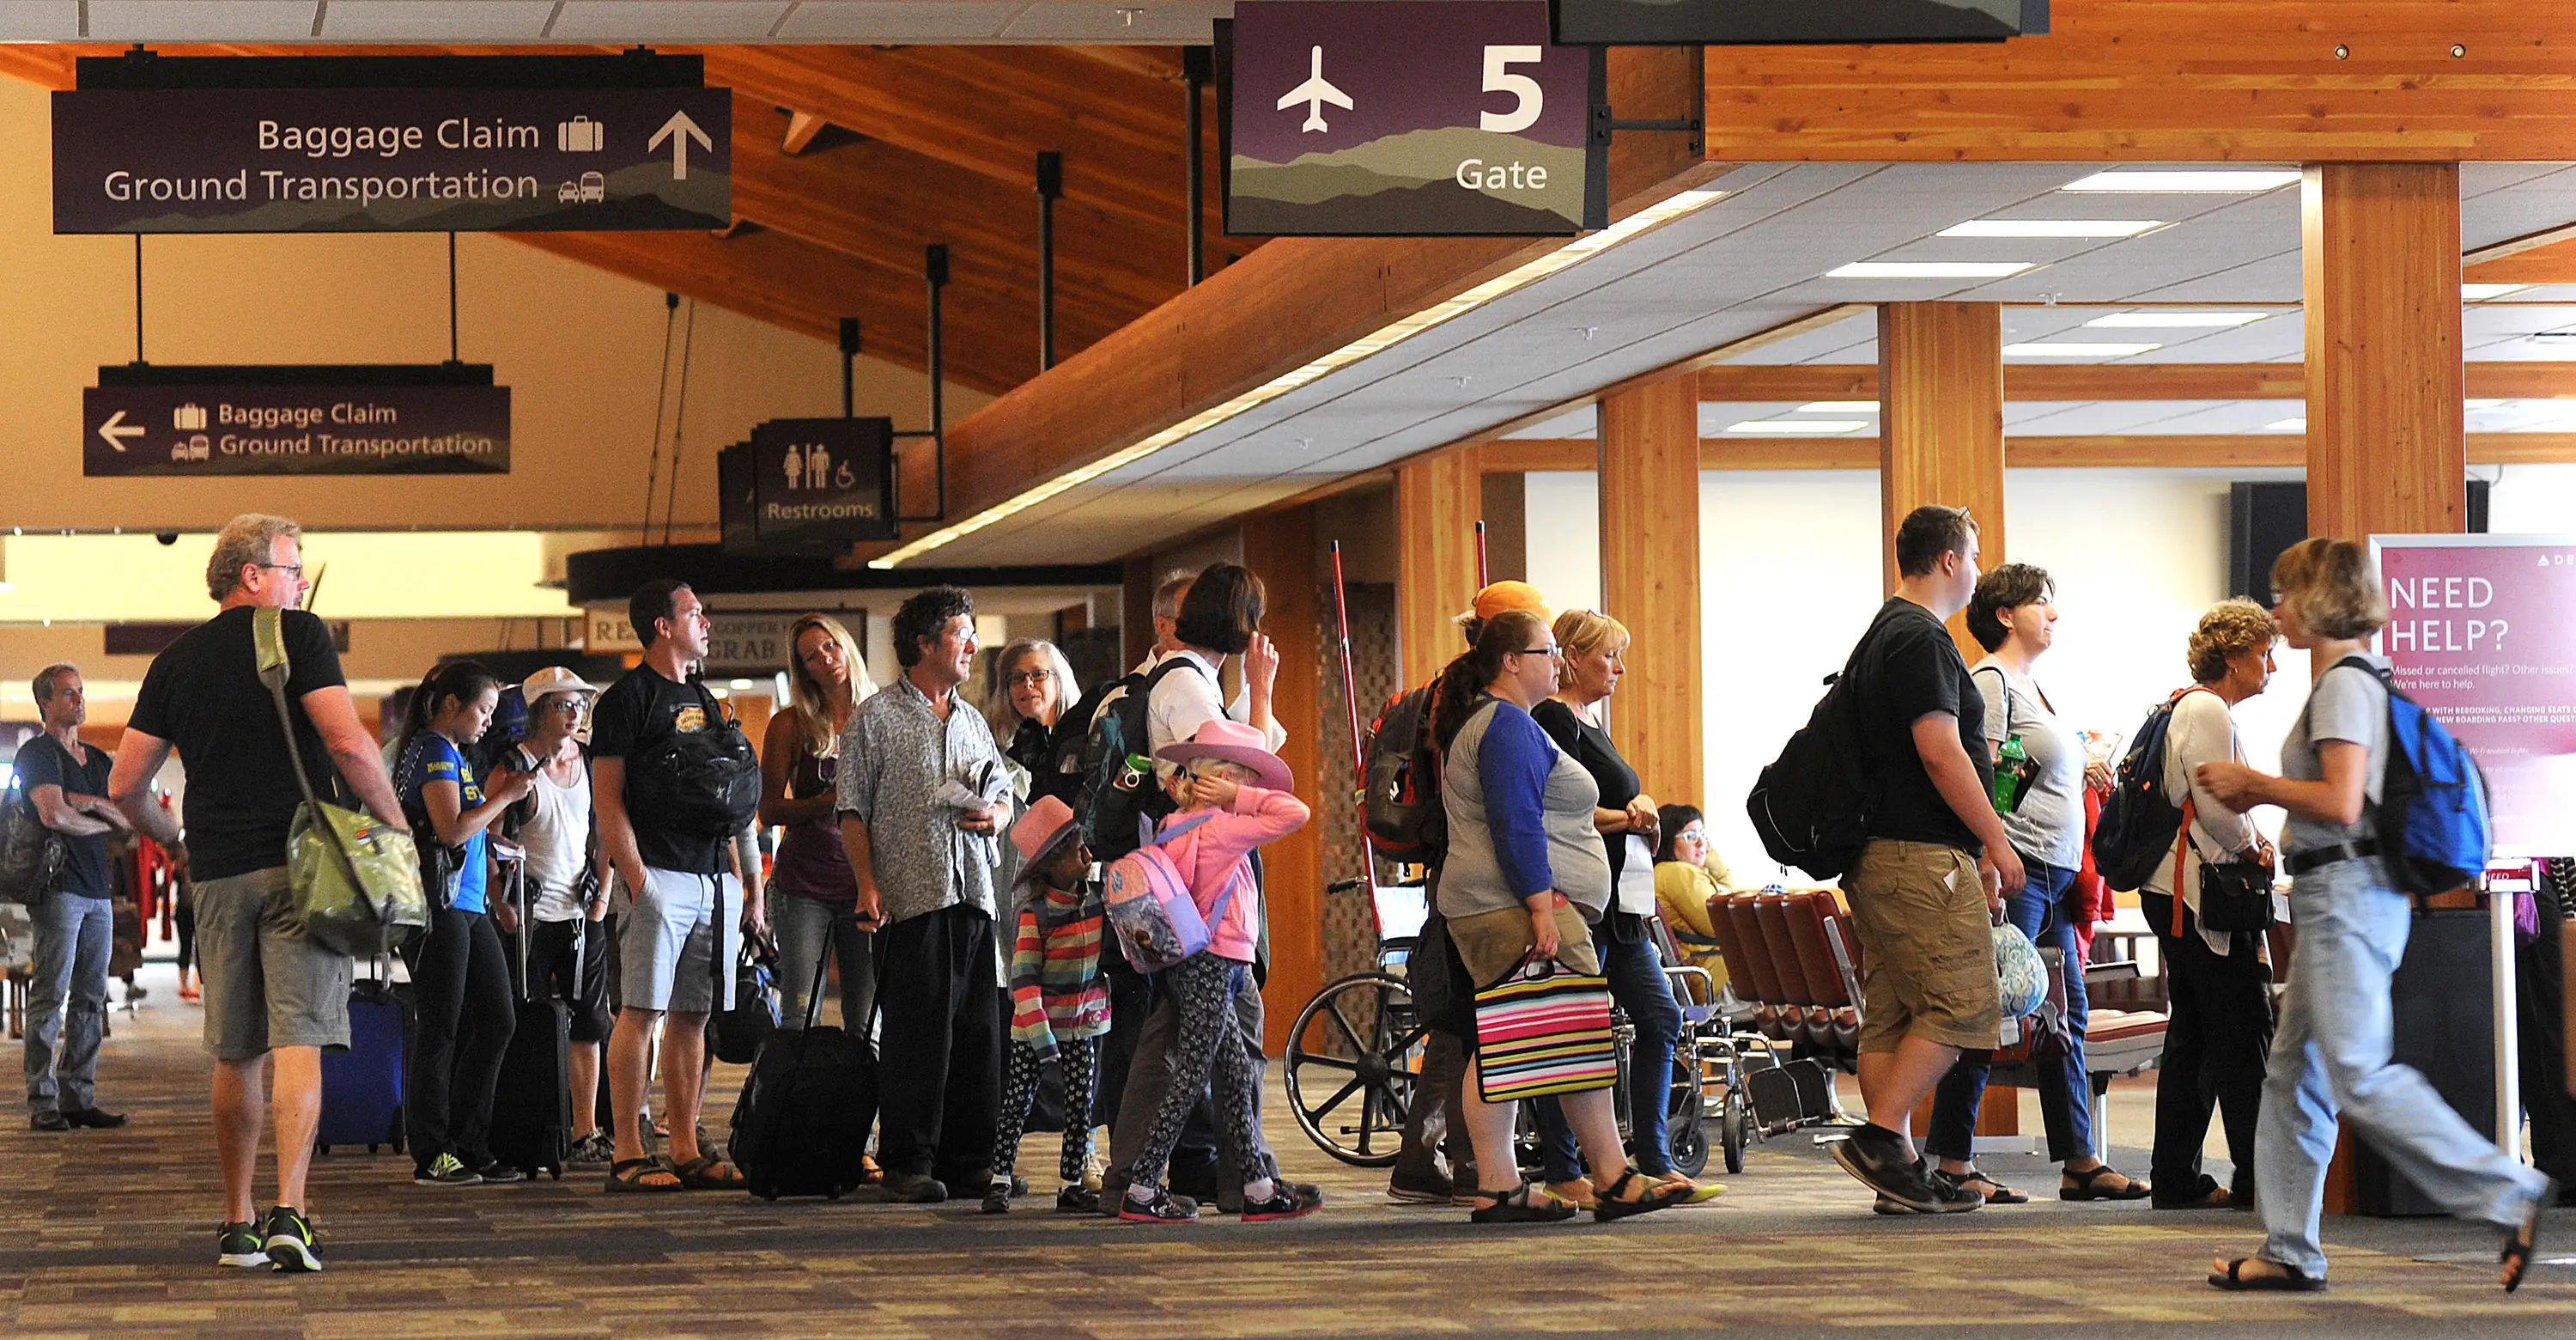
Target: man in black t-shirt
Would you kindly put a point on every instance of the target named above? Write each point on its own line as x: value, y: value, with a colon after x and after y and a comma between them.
x: 1929, y: 886
x: 690, y: 897
x: 274, y: 999
x: 66, y: 780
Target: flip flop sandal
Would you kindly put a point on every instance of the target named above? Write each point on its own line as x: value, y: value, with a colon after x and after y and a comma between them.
x: 709, y: 1172
x: 2519, y: 1247
x: 627, y: 1176
x: 1613, y: 1204
x: 2085, y: 1187
x: 2288, y: 1281
x: 1528, y: 1203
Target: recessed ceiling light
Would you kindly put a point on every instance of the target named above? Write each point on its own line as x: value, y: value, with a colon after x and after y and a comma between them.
x: 2288, y: 425
x: 2482, y: 292
x: 1839, y: 407
x: 2173, y: 320
x: 2199, y: 181
x: 1928, y: 270
x: 2078, y: 349
x: 2051, y: 228
x: 1801, y: 427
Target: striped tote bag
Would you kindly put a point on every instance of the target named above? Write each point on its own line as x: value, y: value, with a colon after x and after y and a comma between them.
x: 1544, y: 1029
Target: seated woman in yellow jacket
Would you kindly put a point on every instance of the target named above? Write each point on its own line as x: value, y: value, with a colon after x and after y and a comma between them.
x: 1687, y: 871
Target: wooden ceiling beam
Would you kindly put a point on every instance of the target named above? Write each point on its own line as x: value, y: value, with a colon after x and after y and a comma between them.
x: 2223, y: 451
x: 802, y: 127
x: 2549, y: 262
x: 1757, y: 383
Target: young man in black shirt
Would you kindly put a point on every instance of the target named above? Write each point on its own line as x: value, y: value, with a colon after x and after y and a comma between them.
x: 67, y: 781
x: 273, y: 998
x: 690, y: 897
x: 1929, y: 886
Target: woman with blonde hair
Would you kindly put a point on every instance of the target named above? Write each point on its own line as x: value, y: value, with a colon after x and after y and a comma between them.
x: 799, y: 760
x: 2330, y: 1055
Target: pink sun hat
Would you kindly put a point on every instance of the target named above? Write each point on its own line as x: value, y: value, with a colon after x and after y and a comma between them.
x: 1042, y: 832
x: 1232, y: 742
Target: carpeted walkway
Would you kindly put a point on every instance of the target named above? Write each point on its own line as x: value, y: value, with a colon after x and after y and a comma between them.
x: 109, y: 1234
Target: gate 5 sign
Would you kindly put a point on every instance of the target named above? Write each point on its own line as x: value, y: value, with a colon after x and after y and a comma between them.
x: 1376, y: 119
x: 256, y: 160
x: 823, y: 481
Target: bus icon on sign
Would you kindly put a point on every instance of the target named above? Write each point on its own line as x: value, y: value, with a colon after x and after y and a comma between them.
x: 590, y: 190
x: 188, y: 418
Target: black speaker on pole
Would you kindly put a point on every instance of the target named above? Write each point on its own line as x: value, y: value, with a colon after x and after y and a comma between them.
x: 2265, y: 518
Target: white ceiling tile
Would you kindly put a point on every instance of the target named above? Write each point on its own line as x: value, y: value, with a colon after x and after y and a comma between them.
x: 40, y: 21
x: 1187, y: 24
x: 217, y: 20
x: 436, y: 20
x: 899, y: 20
x: 669, y: 20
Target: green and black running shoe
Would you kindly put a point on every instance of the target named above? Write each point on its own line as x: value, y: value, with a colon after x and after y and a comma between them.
x: 447, y: 1170
x: 291, y: 1243
x: 240, y: 1245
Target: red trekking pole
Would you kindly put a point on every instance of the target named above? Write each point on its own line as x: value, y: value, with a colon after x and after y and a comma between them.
x: 1351, y: 707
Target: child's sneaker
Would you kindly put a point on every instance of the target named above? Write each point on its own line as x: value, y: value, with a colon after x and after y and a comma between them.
x: 1078, y: 1200
x: 1287, y: 1200
x: 997, y: 1197
x: 1164, y: 1208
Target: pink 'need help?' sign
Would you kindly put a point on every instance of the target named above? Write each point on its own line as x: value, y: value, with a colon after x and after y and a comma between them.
x: 2482, y: 631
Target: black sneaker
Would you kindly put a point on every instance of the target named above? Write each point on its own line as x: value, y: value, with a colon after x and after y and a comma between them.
x: 496, y: 1173
x: 909, y: 1188
x: 1882, y: 1205
x: 1164, y: 1208
x: 1289, y: 1200
x: 291, y: 1242
x: 997, y: 1198
x: 90, y: 1118
x: 1429, y: 1187
x: 446, y: 1170
x: 1078, y: 1199
x: 1875, y: 1157
x: 48, y: 1121
x: 241, y: 1245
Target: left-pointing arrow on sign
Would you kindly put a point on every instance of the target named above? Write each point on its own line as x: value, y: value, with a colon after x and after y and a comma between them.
x: 679, y: 130
x: 116, y: 430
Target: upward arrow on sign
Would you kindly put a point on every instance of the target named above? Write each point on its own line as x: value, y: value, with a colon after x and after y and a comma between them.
x: 679, y: 130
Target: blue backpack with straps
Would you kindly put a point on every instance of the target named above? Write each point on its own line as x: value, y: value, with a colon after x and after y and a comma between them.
x: 2435, y: 833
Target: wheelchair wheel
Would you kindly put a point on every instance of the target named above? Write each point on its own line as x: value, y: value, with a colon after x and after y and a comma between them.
x: 1351, y: 1063
x: 1687, y: 1142
x: 1735, y: 1129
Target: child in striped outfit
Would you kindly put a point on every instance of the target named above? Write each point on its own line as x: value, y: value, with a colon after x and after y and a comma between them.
x: 1059, y: 1001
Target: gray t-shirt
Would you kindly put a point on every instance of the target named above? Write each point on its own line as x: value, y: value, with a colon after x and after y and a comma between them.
x: 2351, y: 705
x: 2049, y: 825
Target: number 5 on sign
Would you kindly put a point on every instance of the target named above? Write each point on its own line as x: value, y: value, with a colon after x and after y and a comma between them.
x: 1528, y: 98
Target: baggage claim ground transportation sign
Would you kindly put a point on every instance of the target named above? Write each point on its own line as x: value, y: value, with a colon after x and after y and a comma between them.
x: 147, y: 419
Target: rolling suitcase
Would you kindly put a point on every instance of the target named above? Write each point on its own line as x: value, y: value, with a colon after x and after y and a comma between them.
x: 532, y: 1103
x: 362, y: 1088
x: 801, y: 1126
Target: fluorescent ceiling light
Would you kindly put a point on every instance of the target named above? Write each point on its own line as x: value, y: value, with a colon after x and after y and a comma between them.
x: 2197, y: 181
x: 1927, y: 270
x: 2299, y: 425
x: 1838, y: 407
x: 1802, y: 427
x: 2078, y: 349
x: 2051, y: 228
x: 2482, y: 292
x: 1503, y: 285
x: 2174, y: 320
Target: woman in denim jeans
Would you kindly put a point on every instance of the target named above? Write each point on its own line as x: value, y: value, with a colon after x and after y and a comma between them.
x: 800, y: 757
x: 2330, y: 1055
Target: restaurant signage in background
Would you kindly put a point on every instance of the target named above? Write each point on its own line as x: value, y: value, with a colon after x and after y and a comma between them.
x: 434, y: 160
x: 739, y: 642
x: 2479, y: 633
x: 823, y: 481
x: 1730, y: 22
x: 1384, y: 118
x: 362, y: 420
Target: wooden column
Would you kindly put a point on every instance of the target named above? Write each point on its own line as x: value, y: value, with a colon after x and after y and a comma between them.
x: 1650, y: 579
x: 2387, y: 394
x: 1941, y: 422
x: 1436, y: 499
x: 1280, y: 549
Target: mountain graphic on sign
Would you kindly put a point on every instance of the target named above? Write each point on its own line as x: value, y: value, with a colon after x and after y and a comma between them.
x: 1377, y: 185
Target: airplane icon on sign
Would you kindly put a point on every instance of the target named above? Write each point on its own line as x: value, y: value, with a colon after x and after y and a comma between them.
x: 1315, y: 92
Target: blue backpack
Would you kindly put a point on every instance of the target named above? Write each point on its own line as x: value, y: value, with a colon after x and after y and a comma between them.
x: 2139, y: 825
x: 2434, y: 830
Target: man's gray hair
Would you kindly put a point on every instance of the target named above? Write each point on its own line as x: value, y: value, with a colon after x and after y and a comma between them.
x: 248, y: 538
x: 48, y: 677
x: 1167, y: 597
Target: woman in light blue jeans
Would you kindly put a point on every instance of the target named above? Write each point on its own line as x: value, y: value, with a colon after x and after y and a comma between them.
x: 2330, y: 1054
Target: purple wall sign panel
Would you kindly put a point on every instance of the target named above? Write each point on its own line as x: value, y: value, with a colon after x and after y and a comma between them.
x: 1382, y: 118
x: 828, y: 481
x: 2482, y: 631
x: 295, y: 430
x: 392, y: 160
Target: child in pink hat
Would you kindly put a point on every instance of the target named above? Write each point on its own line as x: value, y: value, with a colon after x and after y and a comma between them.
x: 1059, y: 1001
x: 1234, y: 796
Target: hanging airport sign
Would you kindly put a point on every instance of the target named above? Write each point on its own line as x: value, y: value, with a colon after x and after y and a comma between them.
x: 1386, y: 118
x: 263, y: 421
x: 1729, y: 22
x: 823, y: 481
x: 355, y: 160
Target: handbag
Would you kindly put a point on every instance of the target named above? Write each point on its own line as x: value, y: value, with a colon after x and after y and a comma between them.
x: 2234, y: 895
x: 31, y: 855
x: 2041, y: 1034
x: 1443, y: 997
x: 354, y: 880
x: 1544, y: 1029
x: 739, y: 1032
x: 442, y: 867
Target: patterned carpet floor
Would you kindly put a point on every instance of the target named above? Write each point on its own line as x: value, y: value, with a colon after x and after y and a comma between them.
x: 108, y: 1234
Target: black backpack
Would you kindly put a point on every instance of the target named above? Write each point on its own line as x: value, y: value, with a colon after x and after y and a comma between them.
x: 1114, y: 800
x: 1406, y: 821
x: 2139, y: 826
x: 1813, y: 805
x: 703, y: 783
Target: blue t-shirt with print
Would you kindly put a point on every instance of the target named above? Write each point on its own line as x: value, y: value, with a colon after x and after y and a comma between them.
x: 433, y: 758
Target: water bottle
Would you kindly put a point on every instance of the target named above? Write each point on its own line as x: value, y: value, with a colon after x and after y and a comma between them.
x: 1133, y: 775
x: 2012, y: 773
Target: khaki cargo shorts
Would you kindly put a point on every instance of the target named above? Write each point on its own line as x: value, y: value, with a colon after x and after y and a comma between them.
x: 1928, y: 947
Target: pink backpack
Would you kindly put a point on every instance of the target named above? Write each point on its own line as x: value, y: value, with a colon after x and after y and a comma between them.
x: 1149, y: 902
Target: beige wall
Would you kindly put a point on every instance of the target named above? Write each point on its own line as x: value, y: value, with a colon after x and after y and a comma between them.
x: 580, y: 349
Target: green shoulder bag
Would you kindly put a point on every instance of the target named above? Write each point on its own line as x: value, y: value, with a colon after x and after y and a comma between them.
x: 355, y: 880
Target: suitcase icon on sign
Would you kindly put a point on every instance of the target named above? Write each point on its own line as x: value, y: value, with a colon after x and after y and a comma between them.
x: 188, y: 418
x: 580, y: 135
